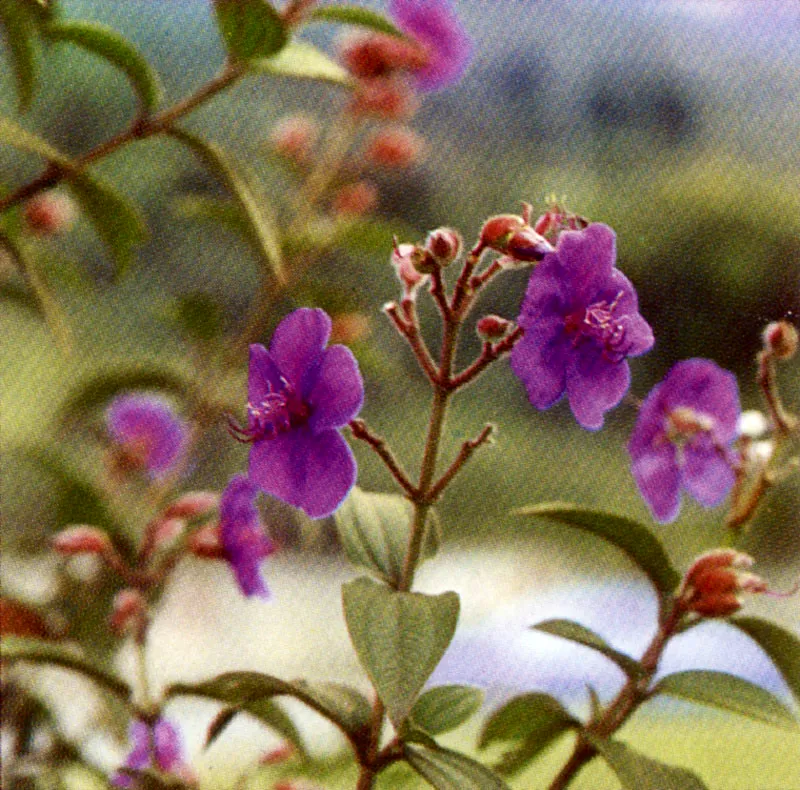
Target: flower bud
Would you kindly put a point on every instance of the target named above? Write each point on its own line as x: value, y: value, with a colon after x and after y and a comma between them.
x: 278, y: 755
x: 384, y: 98
x: 192, y: 505
x: 81, y: 539
x: 493, y: 327
x: 294, y: 137
x: 394, y: 148
x: 355, y: 200
x: 206, y: 543
x: 49, y: 213
x: 403, y: 257
x: 165, y: 532
x: 371, y: 55
x: 512, y: 236
x: 128, y: 612
x: 444, y: 244
x: 780, y: 339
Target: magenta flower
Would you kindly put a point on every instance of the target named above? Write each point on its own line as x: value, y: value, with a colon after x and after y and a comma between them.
x: 299, y: 394
x: 434, y: 25
x: 581, y: 321
x: 160, y: 748
x: 148, y: 432
x: 242, y: 535
x: 683, y: 437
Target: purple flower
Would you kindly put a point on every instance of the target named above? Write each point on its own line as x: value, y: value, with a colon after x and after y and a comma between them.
x: 683, y: 437
x: 581, y: 321
x: 242, y: 535
x: 435, y: 26
x: 160, y: 748
x: 299, y: 393
x: 148, y: 432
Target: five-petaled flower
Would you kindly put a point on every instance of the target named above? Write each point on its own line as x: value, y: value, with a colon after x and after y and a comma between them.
x: 156, y: 747
x: 299, y: 394
x: 683, y: 437
x: 581, y: 321
x: 148, y: 433
x: 242, y: 535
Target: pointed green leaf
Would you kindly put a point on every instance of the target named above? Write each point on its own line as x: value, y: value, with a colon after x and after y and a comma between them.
x: 728, y: 692
x: 20, y: 138
x: 267, y: 712
x: 626, y: 534
x: 399, y: 638
x: 445, y: 769
x: 36, y: 651
x: 303, y: 61
x: 250, y: 28
x: 106, y: 43
x: 444, y: 708
x: 637, y: 772
x: 532, y: 722
x: 354, y: 15
x: 261, y: 230
x: 20, y: 33
x: 782, y: 647
x: 575, y: 632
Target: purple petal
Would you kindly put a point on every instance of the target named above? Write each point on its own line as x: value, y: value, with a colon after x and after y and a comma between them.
x: 298, y: 342
x: 168, y: 746
x: 263, y: 375
x: 311, y: 471
x: 139, y: 736
x: 338, y: 393
x: 595, y: 385
x: 649, y: 428
x: 707, y: 475
x: 639, y: 337
x: 587, y: 259
x: 544, y: 296
x: 658, y: 478
x: 539, y: 360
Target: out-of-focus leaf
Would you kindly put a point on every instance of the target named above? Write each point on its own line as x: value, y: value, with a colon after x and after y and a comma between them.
x: 198, y: 315
x: 20, y: 29
x: 267, y: 712
x: 449, y: 770
x: 261, y: 230
x: 444, y: 708
x: 399, y: 638
x: 20, y: 138
x: 531, y: 722
x: 303, y: 61
x: 728, y: 692
x: 208, y: 209
x: 35, y: 651
x: 354, y: 15
x: 626, y: 534
x: 575, y: 632
x: 782, y: 647
x: 637, y: 772
x: 250, y: 28
x: 106, y: 43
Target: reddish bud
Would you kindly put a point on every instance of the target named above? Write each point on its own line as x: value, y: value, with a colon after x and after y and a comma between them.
x: 403, y: 257
x: 493, y: 327
x: 49, y: 214
x: 355, y: 200
x: 371, y: 55
x: 278, y: 755
x: 194, y: 504
x: 128, y: 612
x: 166, y: 531
x: 384, y: 98
x: 513, y: 237
x: 16, y: 619
x: 81, y: 540
x: 294, y: 137
x: 719, y: 605
x: 444, y: 244
x: 780, y: 339
x: 349, y: 327
x: 206, y: 543
x: 394, y: 148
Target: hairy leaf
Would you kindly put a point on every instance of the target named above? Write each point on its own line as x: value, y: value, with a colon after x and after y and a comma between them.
x: 449, y: 770
x: 444, y: 708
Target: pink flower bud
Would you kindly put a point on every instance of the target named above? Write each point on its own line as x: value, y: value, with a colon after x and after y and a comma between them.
x: 166, y: 531
x: 444, y: 244
x: 780, y: 339
x: 81, y: 539
x: 512, y: 236
x: 384, y: 98
x: 278, y: 755
x: 294, y: 137
x: 493, y: 327
x: 206, y: 543
x: 128, y: 612
x: 355, y: 200
x: 403, y: 256
x: 394, y: 148
x: 49, y: 214
x: 194, y: 504
x: 370, y: 55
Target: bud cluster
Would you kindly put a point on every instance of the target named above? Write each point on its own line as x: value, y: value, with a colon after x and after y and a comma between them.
x: 513, y: 237
x: 414, y: 263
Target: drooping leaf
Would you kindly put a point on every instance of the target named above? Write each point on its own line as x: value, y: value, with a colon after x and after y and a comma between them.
x: 445, y: 769
x: 626, y: 534
x: 36, y: 651
x: 261, y: 230
x: 268, y: 712
x: 444, y: 708
x: 303, y: 61
x: 354, y: 15
x: 106, y: 43
x: 399, y: 638
x: 575, y: 632
x: 727, y: 692
x: 20, y: 33
x: 531, y: 722
x: 250, y: 28
x: 637, y: 772
x: 782, y: 647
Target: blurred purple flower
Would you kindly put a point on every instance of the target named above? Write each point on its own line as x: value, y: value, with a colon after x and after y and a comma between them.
x: 242, y: 535
x: 683, y: 437
x: 148, y: 432
x: 581, y: 321
x: 159, y: 748
x: 435, y: 26
x: 299, y: 393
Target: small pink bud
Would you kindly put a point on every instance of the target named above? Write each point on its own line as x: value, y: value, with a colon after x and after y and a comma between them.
x: 372, y: 55
x: 355, y: 200
x: 402, y: 259
x: 128, y: 612
x: 444, y: 244
x: 294, y: 137
x: 278, y: 755
x: 349, y: 328
x: 194, y: 504
x: 206, y: 543
x: 394, y: 148
x: 166, y: 532
x: 780, y: 339
x: 81, y: 540
x: 49, y: 214
x: 384, y: 98
x: 493, y: 327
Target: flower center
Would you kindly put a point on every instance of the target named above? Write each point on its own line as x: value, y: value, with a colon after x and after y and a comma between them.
x: 276, y: 413
x: 684, y: 424
x: 598, y: 323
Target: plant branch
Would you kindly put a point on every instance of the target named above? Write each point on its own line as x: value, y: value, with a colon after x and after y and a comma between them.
x: 378, y: 444
x: 489, y: 353
x: 408, y: 327
x: 464, y: 454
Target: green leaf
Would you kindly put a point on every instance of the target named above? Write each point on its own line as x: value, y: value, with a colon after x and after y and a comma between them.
x: 637, y: 772
x: 250, y: 28
x: 626, y: 534
x: 261, y: 230
x: 444, y: 708
x: 16, y: 136
x: 532, y: 721
x: 267, y: 712
x: 782, y: 647
x: 303, y: 61
x: 575, y: 632
x: 106, y: 43
x: 20, y: 29
x: 36, y: 651
x: 222, y: 212
x: 399, y: 638
x: 198, y: 315
x: 445, y: 769
x: 354, y: 15
x: 728, y: 692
